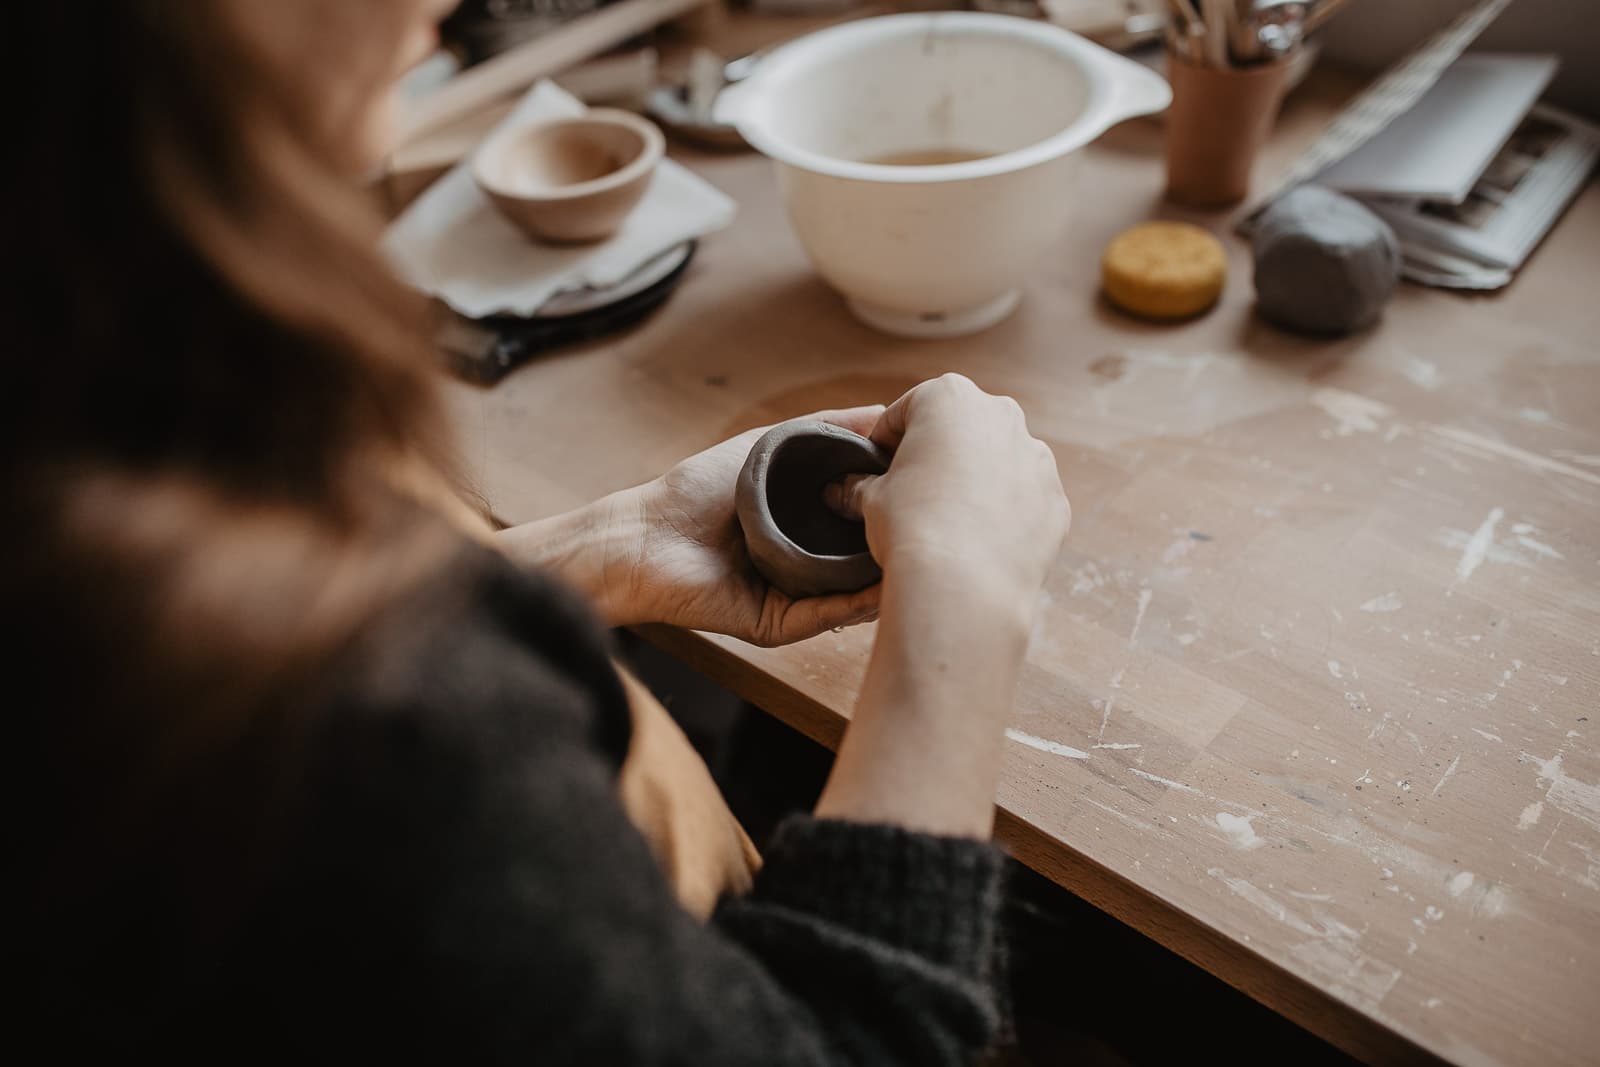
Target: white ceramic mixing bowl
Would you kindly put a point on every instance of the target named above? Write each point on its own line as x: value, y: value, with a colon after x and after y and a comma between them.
x: 933, y: 250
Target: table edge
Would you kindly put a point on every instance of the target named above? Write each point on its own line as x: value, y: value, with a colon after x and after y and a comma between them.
x: 1264, y: 981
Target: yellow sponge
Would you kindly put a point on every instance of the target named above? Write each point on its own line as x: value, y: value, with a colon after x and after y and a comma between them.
x: 1164, y: 270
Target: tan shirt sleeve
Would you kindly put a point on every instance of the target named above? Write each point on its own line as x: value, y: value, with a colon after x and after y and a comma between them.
x: 669, y: 795
x: 666, y: 788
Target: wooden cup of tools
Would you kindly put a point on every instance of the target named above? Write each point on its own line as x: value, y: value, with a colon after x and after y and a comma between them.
x: 1219, y: 119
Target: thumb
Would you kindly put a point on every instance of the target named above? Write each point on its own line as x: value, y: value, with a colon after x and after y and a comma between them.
x: 810, y: 616
x: 847, y: 496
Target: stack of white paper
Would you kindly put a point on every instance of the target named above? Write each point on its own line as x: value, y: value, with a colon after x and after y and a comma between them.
x: 1453, y: 151
x: 1439, y: 148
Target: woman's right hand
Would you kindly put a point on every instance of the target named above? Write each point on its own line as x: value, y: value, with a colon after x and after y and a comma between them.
x: 970, y: 492
x: 966, y: 525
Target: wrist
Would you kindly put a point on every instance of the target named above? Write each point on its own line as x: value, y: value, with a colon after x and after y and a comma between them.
x: 620, y: 539
x: 596, y: 549
x: 977, y: 596
x: 925, y: 745
x: 951, y: 640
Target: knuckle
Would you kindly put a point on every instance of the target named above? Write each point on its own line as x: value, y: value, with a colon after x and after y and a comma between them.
x: 1009, y: 411
x: 942, y: 392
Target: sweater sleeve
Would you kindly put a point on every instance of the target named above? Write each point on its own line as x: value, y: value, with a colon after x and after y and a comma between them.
x: 476, y: 878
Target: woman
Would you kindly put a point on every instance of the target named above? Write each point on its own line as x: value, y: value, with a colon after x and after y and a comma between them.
x: 314, y: 773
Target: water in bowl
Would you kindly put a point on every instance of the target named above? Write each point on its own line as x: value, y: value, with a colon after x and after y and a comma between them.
x: 927, y: 157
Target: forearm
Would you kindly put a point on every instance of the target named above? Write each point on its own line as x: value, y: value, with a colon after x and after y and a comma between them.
x: 595, y: 549
x: 923, y: 750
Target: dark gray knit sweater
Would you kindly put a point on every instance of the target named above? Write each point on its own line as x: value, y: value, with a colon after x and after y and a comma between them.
x: 452, y: 878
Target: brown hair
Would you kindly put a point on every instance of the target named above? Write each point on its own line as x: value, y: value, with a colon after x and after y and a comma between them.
x: 212, y: 380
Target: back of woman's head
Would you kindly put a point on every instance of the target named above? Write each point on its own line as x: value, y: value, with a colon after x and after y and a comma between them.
x: 201, y: 291
x: 211, y: 379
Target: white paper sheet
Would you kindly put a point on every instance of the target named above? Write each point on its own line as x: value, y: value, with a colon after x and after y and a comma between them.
x: 1480, y: 243
x: 453, y: 244
x: 1385, y: 100
x: 1439, y: 148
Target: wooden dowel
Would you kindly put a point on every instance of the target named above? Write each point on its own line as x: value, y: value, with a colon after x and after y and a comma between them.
x: 547, y: 54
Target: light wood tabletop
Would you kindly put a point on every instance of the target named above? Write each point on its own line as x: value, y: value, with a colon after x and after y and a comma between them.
x: 1313, y: 700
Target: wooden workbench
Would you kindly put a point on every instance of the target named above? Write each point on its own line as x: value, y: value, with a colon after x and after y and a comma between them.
x: 1313, y: 697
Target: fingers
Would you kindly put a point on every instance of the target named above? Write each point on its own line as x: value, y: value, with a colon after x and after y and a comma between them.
x: 891, y: 428
x: 859, y: 420
x: 887, y: 425
x: 847, y: 496
x: 811, y: 616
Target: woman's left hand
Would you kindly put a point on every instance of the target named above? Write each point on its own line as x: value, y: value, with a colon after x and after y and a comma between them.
x: 671, y: 551
x: 693, y: 570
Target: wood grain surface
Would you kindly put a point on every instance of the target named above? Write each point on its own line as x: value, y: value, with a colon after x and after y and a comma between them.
x: 1312, y: 700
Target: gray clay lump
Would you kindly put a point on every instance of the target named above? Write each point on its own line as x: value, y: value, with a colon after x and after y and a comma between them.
x: 1325, y: 264
x: 794, y: 539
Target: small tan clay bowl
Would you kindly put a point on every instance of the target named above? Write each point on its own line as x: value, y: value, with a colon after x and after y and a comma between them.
x: 570, y: 180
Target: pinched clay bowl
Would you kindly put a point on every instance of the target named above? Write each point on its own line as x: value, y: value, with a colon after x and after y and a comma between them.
x: 795, y: 540
x: 572, y: 179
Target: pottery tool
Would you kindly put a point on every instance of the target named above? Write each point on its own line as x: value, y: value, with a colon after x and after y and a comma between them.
x: 794, y: 539
x: 1164, y: 270
x: 1264, y: 30
x: 1242, y: 33
x: 1188, y: 34
x: 1201, y: 33
x: 486, y: 350
x: 1216, y: 15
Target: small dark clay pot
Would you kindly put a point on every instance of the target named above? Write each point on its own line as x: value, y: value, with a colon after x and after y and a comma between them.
x: 794, y: 539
